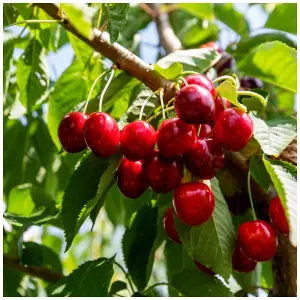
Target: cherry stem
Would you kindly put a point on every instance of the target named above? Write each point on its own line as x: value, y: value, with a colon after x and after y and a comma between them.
x: 161, y: 97
x: 182, y: 79
x: 199, y: 129
x: 225, y: 77
x: 92, y: 88
x: 250, y: 195
x: 105, y: 88
x: 154, y: 285
x: 144, y: 104
x: 33, y: 21
x: 126, y: 274
x: 189, y: 73
x: 251, y: 94
x: 159, y: 113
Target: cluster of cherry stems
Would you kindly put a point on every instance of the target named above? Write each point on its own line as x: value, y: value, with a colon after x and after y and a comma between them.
x: 205, y: 126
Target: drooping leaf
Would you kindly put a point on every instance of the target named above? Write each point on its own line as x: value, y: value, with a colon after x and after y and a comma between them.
x: 259, y: 172
x: 200, y: 10
x: 284, y: 178
x: 273, y: 62
x: 211, y: 243
x: 274, y: 135
x: 137, y: 245
x: 283, y: 17
x: 116, y: 15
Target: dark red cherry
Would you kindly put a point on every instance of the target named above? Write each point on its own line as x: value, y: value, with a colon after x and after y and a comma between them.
x: 278, y: 217
x: 204, y: 269
x: 226, y: 62
x: 241, y: 263
x: 130, y: 178
x: 137, y: 140
x: 220, y: 108
x: 194, y: 104
x: 70, y: 132
x: 202, y: 81
x: 174, y: 137
x: 102, y: 134
x: 161, y: 174
x: 194, y: 203
x: 217, y: 152
x: 249, y: 83
x: 206, y: 131
x: 257, y: 240
x: 213, y: 45
x: 233, y: 129
x: 169, y: 227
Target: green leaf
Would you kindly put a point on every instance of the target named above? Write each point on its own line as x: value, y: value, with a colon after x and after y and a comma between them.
x: 274, y: 135
x: 267, y: 274
x: 69, y: 90
x: 91, y: 279
x: 137, y: 245
x: 171, y: 72
x: 255, y: 103
x: 198, y: 60
x: 10, y: 14
x: 284, y: 177
x: 200, y: 10
x: 285, y: 101
x: 115, y: 14
x: 117, y: 286
x: 80, y: 15
x: 228, y: 91
x: 273, y: 62
x: 32, y: 74
x: 235, y: 20
x: 212, y: 243
x: 283, y: 17
x: 248, y: 280
x: 12, y: 282
x: 259, y: 172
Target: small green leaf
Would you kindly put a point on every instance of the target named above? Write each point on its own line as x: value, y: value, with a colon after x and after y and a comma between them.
x: 200, y: 10
x: 273, y: 62
x: 284, y: 177
x: 80, y: 15
x: 116, y: 287
x: 274, y: 135
x: 171, y: 72
x: 259, y: 172
x: 116, y: 15
x: 255, y: 103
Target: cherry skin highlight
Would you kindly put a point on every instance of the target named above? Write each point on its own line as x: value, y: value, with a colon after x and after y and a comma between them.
x: 257, y: 240
x: 194, y: 104
x: 102, y: 134
x: 241, y: 263
x: 174, y: 137
x: 161, y: 174
x: 130, y: 178
x: 220, y: 108
x: 233, y: 129
x: 194, y: 203
x: 202, y: 81
x: 70, y: 132
x: 169, y: 227
x: 204, y: 269
x: 278, y: 217
x: 137, y: 140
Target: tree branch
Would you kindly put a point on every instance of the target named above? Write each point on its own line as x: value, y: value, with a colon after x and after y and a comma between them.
x: 40, y: 272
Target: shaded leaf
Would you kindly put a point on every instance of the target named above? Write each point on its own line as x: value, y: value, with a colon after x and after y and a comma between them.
x: 259, y: 172
x: 200, y: 10
x: 255, y: 103
x: 10, y: 14
x: 117, y: 286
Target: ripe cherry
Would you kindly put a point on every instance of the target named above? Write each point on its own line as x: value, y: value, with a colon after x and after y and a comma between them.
x: 130, y: 178
x: 102, y: 134
x: 169, y: 226
x: 174, y: 137
x: 220, y: 108
x: 203, y: 81
x: 233, y: 129
x: 257, y: 240
x: 161, y: 174
x: 194, y: 203
x: 70, y: 132
x: 213, y: 45
x: 194, y: 104
x: 204, y: 269
x: 277, y: 216
x: 241, y: 263
x: 206, y: 131
x: 249, y: 83
x: 137, y: 140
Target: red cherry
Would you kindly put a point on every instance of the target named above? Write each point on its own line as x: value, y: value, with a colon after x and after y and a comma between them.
x: 205, y: 131
x: 217, y: 152
x: 137, y: 140
x: 70, y: 132
x: 233, y: 129
x: 163, y: 175
x: 258, y: 240
x: 170, y: 228
x: 213, y: 45
x: 194, y: 104
x: 204, y: 269
x: 174, y: 137
x: 241, y: 263
x: 220, y: 108
x: 102, y: 134
x: 130, y: 178
x: 203, y: 81
x: 194, y: 203
x: 278, y: 217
